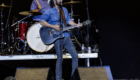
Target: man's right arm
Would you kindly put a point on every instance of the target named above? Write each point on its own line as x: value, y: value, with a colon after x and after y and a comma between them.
x: 46, y: 17
x: 46, y: 24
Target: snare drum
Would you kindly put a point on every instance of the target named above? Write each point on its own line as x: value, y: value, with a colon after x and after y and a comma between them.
x: 20, y: 30
x: 34, y: 40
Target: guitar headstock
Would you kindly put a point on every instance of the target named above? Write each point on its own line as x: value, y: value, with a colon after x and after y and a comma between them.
x: 87, y: 22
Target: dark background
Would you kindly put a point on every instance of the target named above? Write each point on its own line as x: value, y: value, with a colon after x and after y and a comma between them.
x: 119, y: 31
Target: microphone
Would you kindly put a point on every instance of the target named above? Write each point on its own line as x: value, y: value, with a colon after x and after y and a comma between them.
x: 59, y: 4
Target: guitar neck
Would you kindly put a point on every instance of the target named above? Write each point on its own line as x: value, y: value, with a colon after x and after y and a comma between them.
x: 70, y: 27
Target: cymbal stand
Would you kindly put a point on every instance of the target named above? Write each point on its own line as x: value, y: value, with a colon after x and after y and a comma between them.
x: 71, y: 14
x: 2, y: 33
x: 18, y: 39
x: 21, y: 20
x: 8, y: 27
x: 74, y: 39
x: 16, y: 45
x: 25, y: 47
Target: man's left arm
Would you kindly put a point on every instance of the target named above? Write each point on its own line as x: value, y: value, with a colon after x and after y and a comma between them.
x: 72, y: 23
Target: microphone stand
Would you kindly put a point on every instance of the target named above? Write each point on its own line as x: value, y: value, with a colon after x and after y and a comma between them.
x: 61, y: 32
x: 88, y: 60
x: 88, y: 24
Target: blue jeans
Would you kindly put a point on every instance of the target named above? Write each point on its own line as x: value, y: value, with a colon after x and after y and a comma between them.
x: 67, y: 43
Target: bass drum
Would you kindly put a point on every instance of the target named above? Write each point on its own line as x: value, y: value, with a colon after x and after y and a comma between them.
x: 34, y: 40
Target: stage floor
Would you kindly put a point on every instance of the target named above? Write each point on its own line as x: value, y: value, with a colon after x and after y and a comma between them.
x: 46, y: 56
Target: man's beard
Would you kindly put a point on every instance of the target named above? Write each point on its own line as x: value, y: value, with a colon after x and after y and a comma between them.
x: 59, y: 3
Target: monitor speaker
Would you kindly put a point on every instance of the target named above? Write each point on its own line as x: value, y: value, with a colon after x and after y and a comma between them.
x: 34, y: 74
x: 93, y: 73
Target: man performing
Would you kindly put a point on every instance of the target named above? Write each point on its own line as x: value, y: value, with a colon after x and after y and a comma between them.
x: 51, y: 19
x: 39, y: 6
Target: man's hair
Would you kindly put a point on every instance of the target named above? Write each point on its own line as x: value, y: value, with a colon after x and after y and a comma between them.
x: 51, y: 3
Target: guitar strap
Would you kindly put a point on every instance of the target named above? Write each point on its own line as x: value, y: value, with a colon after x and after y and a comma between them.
x: 63, y: 16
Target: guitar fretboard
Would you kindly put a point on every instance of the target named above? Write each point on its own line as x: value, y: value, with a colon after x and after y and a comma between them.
x: 70, y: 27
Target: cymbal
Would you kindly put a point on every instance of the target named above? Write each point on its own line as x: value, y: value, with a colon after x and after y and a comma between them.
x: 26, y: 13
x: 3, y: 6
x: 72, y: 2
x: 35, y: 13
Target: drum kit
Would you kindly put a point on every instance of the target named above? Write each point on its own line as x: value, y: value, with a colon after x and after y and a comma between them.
x: 28, y: 33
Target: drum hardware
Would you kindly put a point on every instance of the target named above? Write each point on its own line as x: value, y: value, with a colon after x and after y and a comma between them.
x: 34, y: 40
x: 13, y: 31
x: 4, y: 6
x: 72, y: 2
x: 21, y: 20
x: 77, y: 41
x: 33, y: 36
x: 2, y: 29
x: 7, y: 46
x: 74, y: 39
x: 12, y: 37
x: 9, y: 28
x: 25, y: 47
x: 20, y: 39
x: 71, y: 16
x: 96, y: 48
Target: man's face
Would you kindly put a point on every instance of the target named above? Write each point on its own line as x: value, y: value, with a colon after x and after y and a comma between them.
x: 59, y: 2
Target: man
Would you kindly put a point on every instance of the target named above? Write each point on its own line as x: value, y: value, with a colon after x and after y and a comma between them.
x: 50, y: 19
x: 39, y: 6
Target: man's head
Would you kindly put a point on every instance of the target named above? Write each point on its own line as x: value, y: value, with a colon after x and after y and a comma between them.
x: 55, y: 2
x: 58, y: 2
